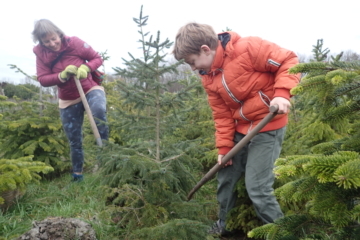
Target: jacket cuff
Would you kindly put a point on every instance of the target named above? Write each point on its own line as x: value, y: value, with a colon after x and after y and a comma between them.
x: 282, y: 92
x: 61, y: 80
x: 224, y: 150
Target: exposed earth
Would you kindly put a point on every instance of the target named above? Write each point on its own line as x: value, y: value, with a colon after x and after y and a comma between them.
x: 59, y: 228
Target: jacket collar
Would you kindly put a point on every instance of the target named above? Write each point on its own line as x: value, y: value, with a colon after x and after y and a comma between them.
x: 225, y: 49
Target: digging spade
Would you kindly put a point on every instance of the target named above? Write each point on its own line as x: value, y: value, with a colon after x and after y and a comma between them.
x: 88, y: 111
x: 235, y: 149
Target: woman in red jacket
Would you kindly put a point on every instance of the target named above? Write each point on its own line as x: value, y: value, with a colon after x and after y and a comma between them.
x: 58, y: 59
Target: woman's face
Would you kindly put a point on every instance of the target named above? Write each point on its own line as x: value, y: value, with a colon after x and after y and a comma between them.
x: 52, y: 41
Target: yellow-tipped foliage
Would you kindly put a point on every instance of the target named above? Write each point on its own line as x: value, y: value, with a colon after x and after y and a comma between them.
x: 308, y: 67
x: 324, y: 166
x: 17, y: 173
x: 348, y: 174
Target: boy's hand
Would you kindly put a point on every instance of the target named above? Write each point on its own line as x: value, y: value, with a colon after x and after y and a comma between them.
x: 283, y: 103
x: 220, y: 156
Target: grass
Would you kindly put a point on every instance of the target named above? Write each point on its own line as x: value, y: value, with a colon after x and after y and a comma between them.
x: 62, y: 198
x: 59, y: 198
x: 85, y: 201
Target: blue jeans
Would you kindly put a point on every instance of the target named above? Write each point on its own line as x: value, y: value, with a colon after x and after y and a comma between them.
x: 72, y: 119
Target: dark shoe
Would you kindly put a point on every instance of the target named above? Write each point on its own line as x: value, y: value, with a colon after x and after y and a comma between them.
x: 77, y: 177
x: 218, y: 229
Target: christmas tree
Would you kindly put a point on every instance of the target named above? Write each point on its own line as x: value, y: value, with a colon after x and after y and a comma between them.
x: 147, y: 172
x: 321, y: 188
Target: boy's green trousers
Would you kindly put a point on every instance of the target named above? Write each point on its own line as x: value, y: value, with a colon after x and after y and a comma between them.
x: 256, y: 161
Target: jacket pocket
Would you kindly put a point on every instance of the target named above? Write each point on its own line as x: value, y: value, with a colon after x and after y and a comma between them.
x: 254, y: 107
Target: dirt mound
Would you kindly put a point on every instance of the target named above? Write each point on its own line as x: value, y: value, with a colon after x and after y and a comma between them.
x: 59, y: 228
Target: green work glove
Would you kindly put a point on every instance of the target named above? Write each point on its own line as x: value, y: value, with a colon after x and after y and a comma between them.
x: 82, y: 71
x: 69, y: 70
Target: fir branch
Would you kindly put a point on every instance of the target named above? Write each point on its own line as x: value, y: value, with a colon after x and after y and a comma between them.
x: 172, y: 158
x: 17, y: 69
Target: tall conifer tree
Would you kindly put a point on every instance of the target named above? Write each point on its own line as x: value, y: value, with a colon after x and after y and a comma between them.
x: 147, y: 173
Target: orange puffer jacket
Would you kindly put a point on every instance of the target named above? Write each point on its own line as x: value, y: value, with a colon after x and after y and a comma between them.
x: 246, y: 74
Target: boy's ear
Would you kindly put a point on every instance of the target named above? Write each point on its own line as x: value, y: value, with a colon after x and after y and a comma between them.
x: 205, y: 48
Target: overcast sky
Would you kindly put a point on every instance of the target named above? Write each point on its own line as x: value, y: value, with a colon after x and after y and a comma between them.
x: 108, y: 25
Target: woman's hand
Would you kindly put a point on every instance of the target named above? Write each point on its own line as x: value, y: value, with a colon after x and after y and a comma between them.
x: 82, y: 72
x: 68, y: 71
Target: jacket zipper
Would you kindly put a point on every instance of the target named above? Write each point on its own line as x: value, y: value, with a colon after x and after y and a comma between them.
x: 264, y: 98
x: 232, y: 96
x: 227, y: 88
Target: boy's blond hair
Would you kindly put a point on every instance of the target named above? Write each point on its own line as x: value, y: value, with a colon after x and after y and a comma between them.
x: 191, y: 37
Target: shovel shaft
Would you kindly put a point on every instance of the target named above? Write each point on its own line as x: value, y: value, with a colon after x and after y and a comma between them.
x: 89, y: 113
x: 235, y: 149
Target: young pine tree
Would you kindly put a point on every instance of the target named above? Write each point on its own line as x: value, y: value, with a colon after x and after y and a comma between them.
x: 15, y: 175
x: 325, y: 105
x: 147, y: 173
x: 28, y: 128
x: 33, y: 127
x: 321, y: 190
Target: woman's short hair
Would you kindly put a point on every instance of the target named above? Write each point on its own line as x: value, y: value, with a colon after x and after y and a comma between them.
x: 44, y: 27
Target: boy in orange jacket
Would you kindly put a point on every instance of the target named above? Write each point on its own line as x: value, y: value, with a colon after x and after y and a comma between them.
x: 243, y: 77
